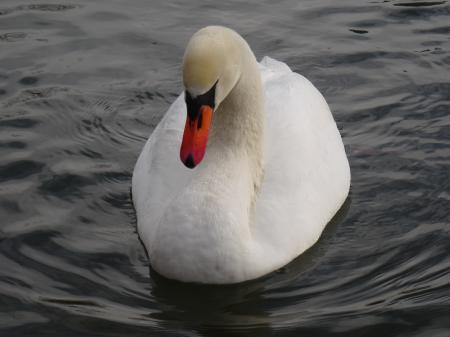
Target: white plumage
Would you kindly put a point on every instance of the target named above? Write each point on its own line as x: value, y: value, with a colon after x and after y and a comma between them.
x: 208, y: 224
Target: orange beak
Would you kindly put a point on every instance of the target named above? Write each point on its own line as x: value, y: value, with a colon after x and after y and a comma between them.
x: 195, y: 137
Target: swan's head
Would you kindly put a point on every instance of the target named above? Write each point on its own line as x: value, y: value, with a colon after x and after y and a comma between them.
x: 211, y: 68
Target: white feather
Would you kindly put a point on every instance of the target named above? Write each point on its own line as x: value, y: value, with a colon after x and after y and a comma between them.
x: 197, y: 225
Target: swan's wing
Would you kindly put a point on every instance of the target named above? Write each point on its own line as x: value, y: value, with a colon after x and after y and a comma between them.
x: 307, y: 174
x: 159, y: 173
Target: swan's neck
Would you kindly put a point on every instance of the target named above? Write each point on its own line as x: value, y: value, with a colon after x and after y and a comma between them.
x: 238, y: 126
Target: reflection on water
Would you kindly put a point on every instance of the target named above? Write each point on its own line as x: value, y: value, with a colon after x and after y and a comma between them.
x: 83, y: 84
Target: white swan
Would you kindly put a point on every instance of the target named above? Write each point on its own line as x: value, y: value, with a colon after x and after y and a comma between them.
x: 273, y: 174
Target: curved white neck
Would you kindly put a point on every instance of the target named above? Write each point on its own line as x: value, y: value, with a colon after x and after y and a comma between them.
x: 237, y: 133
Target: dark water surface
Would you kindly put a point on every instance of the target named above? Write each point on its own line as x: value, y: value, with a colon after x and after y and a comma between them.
x: 82, y: 85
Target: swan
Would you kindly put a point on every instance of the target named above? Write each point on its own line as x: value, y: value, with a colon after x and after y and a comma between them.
x: 243, y: 172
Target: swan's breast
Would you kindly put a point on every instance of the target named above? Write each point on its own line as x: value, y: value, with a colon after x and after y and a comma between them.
x: 203, y: 234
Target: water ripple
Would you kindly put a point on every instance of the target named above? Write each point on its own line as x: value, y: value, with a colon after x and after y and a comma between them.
x: 83, y: 85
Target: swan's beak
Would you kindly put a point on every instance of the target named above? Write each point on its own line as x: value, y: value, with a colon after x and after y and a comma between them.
x: 195, y: 137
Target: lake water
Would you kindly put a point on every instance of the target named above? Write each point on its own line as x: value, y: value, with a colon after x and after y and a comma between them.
x: 83, y: 84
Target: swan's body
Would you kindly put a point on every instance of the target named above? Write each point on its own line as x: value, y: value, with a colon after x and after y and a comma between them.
x: 274, y: 173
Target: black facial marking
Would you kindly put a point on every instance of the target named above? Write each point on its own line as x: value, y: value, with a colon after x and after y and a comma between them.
x: 193, y: 104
